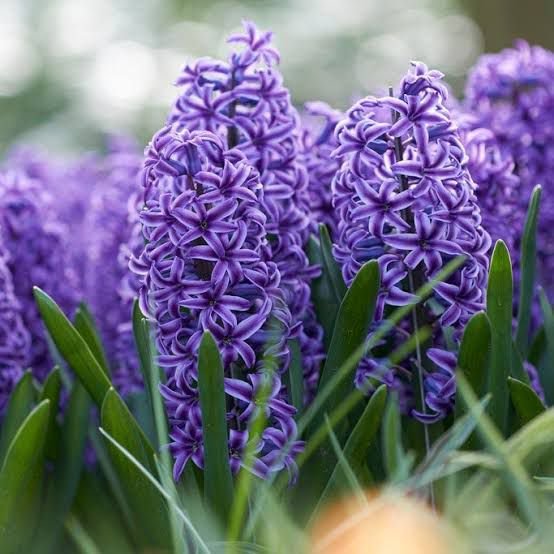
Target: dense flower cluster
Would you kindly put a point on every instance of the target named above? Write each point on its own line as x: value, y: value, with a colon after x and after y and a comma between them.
x: 244, y: 102
x: 407, y: 200
x: 318, y: 143
x: 15, y: 342
x: 493, y: 171
x: 512, y: 94
x: 205, y: 267
x: 35, y: 241
x: 109, y: 224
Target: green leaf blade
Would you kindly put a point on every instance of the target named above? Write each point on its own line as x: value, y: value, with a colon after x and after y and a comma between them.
x: 21, y: 481
x: 526, y: 402
x: 73, y: 347
x: 218, y: 482
x: 546, y: 369
x: 358, y: 443
x: 528, y: 271
x: 475, y: 351
x: 326, y: 305
x: 330, y: 266
x: 499, y: 312
x: 352, y: 326
x: 86, y: 327
x: 149, y: 510
x: 19, y: 406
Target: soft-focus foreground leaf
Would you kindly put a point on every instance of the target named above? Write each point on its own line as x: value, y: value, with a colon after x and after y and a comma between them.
x: 193, y: 532
x: 84, y: 323
x: 546, y: 369
x: 353, y: 321
x: 326, y: 305
x: 20, y: 404
x: 512, y: 471
x: 528, y: 270
x: 394, y: 456
x: 150, y: 515
x: 73, y: 347
x: 499, y: 311
x: 330, y: 266
x: 218, y: 481
x: 21, y: 482
x: 531, y: 446
x: 450, y: 441
x: 97, y: 512
x: 359, y: 442
x: 526, y: 402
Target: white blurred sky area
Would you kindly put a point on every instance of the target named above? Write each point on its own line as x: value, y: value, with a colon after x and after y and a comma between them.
x: 109, y: 65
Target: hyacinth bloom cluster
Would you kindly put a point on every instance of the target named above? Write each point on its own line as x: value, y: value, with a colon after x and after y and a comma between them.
x: 498, y: 185
x: 35, y: 242
x: 407, y: 200
x: 109, y: 222
x: 318, y: 143
x: 15, y: 342
x: 243, y: 101
x: 205, y: 267
x: 512, y: 94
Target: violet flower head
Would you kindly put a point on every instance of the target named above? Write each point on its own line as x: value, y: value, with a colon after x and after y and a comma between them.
x: 204, y: 267
x: 318, y: 142
x: 407, y: 200
x: 243, y: 101
x: 15, y: 342
x: 511, y: 93
x: 36, y: 244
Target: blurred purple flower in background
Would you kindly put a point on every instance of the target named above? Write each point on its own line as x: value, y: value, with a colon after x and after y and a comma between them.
x: 318, y: 142
x: 206, y: 266
x: 37, y: 245
x: 15, y: 342
x: 108, y: 229
x: 406, y: 199
x: 512, y: 94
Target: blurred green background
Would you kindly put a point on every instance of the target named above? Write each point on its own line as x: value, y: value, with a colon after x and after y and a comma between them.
x: 71, y: 70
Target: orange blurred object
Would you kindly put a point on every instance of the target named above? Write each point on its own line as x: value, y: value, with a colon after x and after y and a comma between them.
x: 385, y: 523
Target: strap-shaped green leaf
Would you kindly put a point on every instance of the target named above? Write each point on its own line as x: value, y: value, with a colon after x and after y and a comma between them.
x: 474, y: 352
x: 525, y: 400
x: 149, y: 510
x: 73, y: 347
x: 21, y: 482
x: 218, y: 481
x: 295, y: 377
x: 546, y: 369
x: 19, y: 406
x: 330, y: 266
x: 63, y: 482
x: 51, y: 391
x: 86, y: 327
x: 499, y: 311
x: 353, y: 321
x: 528, y: 270
x: 326, y: 304
x: 393, y: 449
